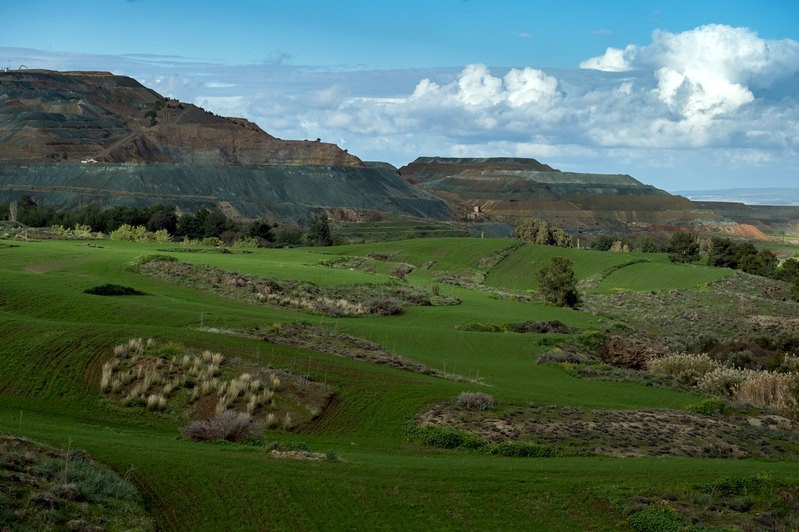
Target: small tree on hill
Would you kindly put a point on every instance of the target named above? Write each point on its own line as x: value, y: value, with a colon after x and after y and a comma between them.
x: 539, y: 231
x: 557, y: 283
x: 319, y: 231
x: 684, y: 247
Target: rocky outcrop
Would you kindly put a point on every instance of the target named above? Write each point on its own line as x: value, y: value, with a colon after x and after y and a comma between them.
x: 56, y: 117
x: 73, y: 139
x: 505, y: 189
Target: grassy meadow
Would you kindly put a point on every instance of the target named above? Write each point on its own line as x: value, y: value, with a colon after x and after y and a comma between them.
x: 372, y: 474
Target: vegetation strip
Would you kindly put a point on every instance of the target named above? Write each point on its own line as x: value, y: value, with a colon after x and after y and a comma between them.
x: 355, y: 300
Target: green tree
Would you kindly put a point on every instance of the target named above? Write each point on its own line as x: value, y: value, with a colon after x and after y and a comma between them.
x: 319, y: 231
x: 539, y: 231
x: 646, y: 244
x: 795, y: 288
x: 557, y: 283
x: 684, y: 247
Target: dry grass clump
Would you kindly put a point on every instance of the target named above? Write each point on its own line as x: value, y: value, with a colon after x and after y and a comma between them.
x: 770, y: 389
x: 688, y: 369
x: 137, y: 379
x: 724, y: 381
x: 765, y: 389
x: 476, y: 401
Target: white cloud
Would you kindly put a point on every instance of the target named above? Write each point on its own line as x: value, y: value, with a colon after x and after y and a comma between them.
x: 613, y: 60
x: 712, y: 101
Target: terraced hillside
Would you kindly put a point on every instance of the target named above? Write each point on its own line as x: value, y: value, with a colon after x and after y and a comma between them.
x: 506, y: 189
x: 72, y: 139
x: 471, y: 404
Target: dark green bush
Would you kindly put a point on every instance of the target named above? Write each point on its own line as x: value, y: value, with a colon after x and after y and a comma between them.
x: 732, y: 486
x: 524, y: 449
x: 708, y: 407
x: 445, y: 437
x: 113, y: 290
x: 658, y: 517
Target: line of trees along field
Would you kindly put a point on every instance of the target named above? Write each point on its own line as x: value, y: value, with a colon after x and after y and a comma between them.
x: 203, y: 224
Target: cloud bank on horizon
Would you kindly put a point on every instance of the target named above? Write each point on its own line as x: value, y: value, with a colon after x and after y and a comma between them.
x: 713, y: 107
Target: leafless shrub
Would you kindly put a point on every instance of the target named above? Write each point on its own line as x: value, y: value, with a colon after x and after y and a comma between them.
x: 227, y: 425
x: 476, y: 401
x: 384, y: 306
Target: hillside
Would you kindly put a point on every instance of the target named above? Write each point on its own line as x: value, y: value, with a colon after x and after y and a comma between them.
x: 76, y: 116
x: 77, y: 138
x: 505, y: 189
x: 366, y: 421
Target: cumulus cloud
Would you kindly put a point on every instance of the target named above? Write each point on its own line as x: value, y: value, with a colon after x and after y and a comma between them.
x: 705, y: 72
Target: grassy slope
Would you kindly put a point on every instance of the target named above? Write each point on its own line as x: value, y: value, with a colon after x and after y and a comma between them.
x: 54, y: 338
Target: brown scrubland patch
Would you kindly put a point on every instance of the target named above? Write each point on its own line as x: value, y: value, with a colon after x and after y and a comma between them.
x: 625, y: 433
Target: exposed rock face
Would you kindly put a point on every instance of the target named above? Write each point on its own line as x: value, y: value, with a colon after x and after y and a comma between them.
x: 506, y: 189
x: 92, y: 138
x: 72, y: 116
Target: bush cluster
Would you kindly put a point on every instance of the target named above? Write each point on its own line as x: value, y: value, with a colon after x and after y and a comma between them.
x: 113, y: 290
x: 227, y: 425
x: 445, y: 437
x: 539, y: 327
x: 660, y: 516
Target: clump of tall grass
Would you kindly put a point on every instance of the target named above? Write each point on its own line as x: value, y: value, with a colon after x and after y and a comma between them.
x: 766, y: 389
x: 475, y: 401
x: 147, y: 381
x: 770, y: 389
x: 724, y: 381
x: 688, y: 368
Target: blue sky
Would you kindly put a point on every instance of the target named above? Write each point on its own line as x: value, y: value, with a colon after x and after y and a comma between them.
x: 685, y: 95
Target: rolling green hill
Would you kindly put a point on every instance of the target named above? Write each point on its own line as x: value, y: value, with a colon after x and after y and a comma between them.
x: 355, y: 463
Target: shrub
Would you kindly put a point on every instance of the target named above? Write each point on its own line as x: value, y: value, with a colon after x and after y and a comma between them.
x: 723, y: 381
x: 227, y: 425
x: 445, y: 437
x: 732, y: 486
x: 476, y: 401
x: 94, y: 484
x: 524, y: 449
x: 660, y: 516
x: 708, y: 407
x: 383, y: 306
x: 113, y: 290
x: 688, y: 369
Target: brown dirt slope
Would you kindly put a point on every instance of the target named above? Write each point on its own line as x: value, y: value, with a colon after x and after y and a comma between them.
x: 48, y: 116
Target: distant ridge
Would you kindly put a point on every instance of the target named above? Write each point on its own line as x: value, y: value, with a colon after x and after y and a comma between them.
x: 73, y: 139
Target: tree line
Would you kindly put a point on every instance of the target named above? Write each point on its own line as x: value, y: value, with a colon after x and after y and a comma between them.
x: 202, y: 224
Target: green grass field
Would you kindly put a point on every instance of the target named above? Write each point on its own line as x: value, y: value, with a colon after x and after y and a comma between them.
x: 54, y: 339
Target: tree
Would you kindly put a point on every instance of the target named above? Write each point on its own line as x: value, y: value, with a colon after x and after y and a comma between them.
x: 684, y: 247
x: 319, y: 231
x: 539, y: 231
x: 646, y: 244
x: 556, y: 282
x: 262, y: 230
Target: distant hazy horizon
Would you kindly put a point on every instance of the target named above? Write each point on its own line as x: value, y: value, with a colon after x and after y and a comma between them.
x: 788, y: 196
